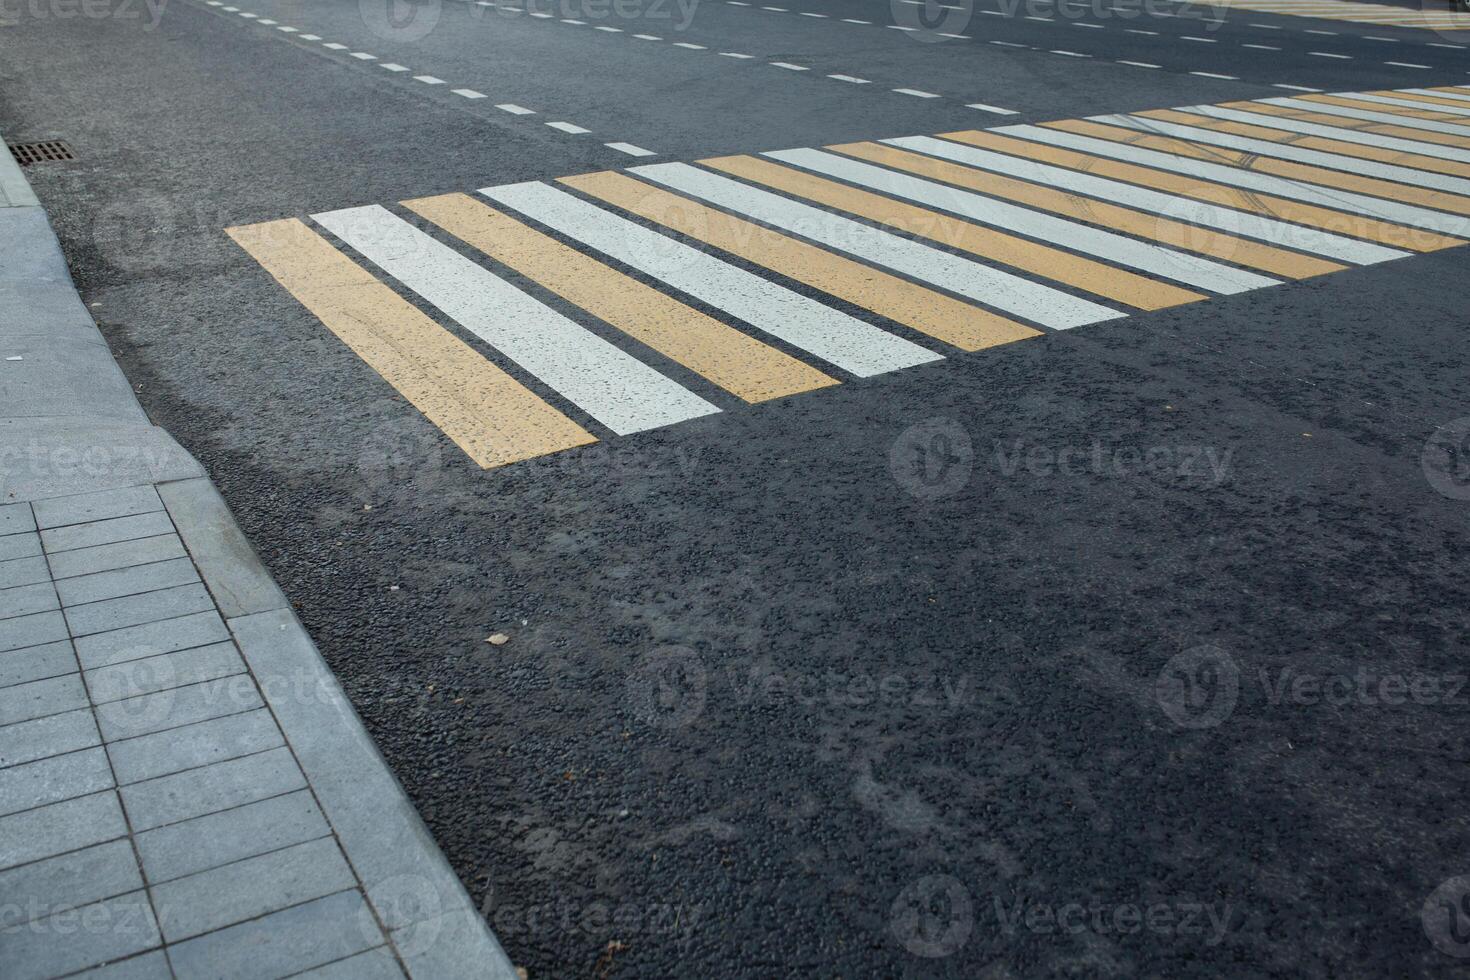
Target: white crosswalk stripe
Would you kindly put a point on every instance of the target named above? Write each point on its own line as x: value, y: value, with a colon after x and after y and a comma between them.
x: 845, y: 341
x: 1177, y: 266
x: 1332, y: 132
x: 1372, y: 207
x: 1047, y: 306
x: 1285, y: 151
x: 619, y: 391
x: 1210, y: 215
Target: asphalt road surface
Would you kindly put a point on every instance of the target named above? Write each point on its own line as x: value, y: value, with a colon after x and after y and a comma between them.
x: 1131, y: 648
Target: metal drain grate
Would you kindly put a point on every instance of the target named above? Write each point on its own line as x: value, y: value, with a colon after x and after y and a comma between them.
x: 46, y: 151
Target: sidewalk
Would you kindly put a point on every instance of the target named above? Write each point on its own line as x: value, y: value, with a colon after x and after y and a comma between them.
x: 185, y: 791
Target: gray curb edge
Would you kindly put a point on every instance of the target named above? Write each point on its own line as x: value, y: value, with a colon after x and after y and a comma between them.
x: 430, y: 919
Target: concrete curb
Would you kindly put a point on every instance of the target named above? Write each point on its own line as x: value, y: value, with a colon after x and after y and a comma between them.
x: 74, y: 430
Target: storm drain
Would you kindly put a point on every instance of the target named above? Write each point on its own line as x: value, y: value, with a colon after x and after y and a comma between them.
x: 46, y: 151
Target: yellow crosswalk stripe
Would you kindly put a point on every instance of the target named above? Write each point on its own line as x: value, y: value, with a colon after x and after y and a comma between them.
x: 1388, y: 189
x: 1281, y: 262
x: 752, y: 370
x: 950, y: 320
x: 1421, y: 97
x: 494, y: 418
x: 1325, y: 145
x: 1359, y: 125
x: 1073, y: 270
x: 1189, y: 237
x: 1392, y: 110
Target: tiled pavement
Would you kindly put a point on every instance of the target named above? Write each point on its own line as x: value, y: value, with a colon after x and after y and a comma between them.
x: 185, y: 791
x: 155, y: 809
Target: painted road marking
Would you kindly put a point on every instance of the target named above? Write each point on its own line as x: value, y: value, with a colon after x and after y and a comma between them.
x: 1072, y: 270
x: 1278, y: 121
x: 852, y: 345
x: 1351, y: 10
x: 1180, y: 205
x: 1373, y: 186
x: 937, y: 315
x: 740, y: 364
x: 1144, y: 257
x: 494, y: 418
x: 1157, y: 122
x: 969, y: 237
x: 1290, y: 141
x: 1348, y: 228
x: 1462, y: 138
x: 1001, y: 290
x: 1295, y: 190
x: 615, y: 389
x: 1445, y: 144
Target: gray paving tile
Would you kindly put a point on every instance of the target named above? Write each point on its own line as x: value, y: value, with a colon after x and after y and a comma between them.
x: 176, y: 707
x: 19, y: 546
x: 24, y: 600
x: 79, y: 938
x: 30, y: 631
x: 124, y: 554
x: 282, y: 943
x: 38, y: 699
x: 53, y: 780
x: 105, y: 532
x: 149, y: 966
x: 152, y: 639
x: 138, y: 677
x: 220, y: 549
x: 50, y: 830
x: 375, y: 964
x: 127, y: 581
x: 151, y: 756
x: 15, y: 518
x: 84, y: 508
x: 197, y: 792
x: 23, y: 571
x: 220, y: 838
x: 136, y: 610
x: 235, y: 892
x: 376, y: 824
x: 37, y: 663
x: 34, y: 891
x: 453, y: 946
x: 45, y: 737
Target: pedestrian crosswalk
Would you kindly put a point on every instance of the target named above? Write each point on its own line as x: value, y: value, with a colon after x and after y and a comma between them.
x: 606, y: 304
x: 1435, y: 15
